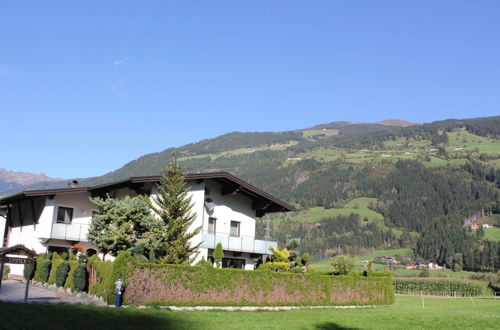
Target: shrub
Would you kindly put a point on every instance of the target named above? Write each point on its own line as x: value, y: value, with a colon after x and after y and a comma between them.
x: 424, y: 273
x: 278, y: 266
x: 6, y: 272
x: 103, y: 270
x: 187, y: 285
x: 73, y: 265
x: 342, y: 265
x: 39, y: 259
x: 44, y: 271
x: 28, y: 271
x: 61, y: 273
x: 56, y: 261
x: 80, y: 278
x: 218, y: 254
x: 441, y: 287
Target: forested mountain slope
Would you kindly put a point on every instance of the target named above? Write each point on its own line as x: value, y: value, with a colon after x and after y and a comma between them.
x: 423, y: 180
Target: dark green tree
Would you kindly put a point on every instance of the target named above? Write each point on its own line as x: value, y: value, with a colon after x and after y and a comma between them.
x: 121, y: 224
x: 173, y: 207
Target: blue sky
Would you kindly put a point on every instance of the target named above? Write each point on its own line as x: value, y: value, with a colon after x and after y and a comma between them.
x: 86, y: 86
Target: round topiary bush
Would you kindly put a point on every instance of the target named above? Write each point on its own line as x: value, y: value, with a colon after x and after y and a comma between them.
x: 80, y: 278
x: 61, y: 273
x: 45, y: 271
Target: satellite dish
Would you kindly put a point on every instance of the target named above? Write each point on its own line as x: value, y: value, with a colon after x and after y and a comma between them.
x: 209, y: 204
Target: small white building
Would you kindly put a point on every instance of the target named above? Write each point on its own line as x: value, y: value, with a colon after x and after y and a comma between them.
x: 225, y: 207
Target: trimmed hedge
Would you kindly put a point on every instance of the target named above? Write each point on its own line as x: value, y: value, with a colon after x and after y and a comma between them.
x: 80, y: 278
x: 62, y: 273
x: 44, y: 271
x: 73, y: 265
x: 38, y: 270
x: 56, y: 261
x: 440, y: 287
x: 198, y: 285
x: 104, y: 285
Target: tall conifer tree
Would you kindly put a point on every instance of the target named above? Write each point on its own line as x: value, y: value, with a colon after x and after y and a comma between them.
x: 173, y: 206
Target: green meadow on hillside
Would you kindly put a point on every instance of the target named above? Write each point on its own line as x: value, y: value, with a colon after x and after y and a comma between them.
x: 405, y: 313
x: 361, y: 260
x: 314, y: 214
x: 492, y: 233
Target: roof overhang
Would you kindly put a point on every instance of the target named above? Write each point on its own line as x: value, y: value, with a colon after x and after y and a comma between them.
x: 262, y: 201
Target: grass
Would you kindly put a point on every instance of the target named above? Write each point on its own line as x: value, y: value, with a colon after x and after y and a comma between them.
x: 357, y: 206
x: 492, y: 233
x: 325, y: 265
x: 405, y: 313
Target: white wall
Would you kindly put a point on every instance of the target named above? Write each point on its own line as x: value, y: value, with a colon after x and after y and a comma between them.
x: 229, y: 208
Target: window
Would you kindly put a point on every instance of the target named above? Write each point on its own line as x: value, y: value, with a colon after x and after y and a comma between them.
x: 64, y: 215
x: 235, y: 228
x: 212, y: 225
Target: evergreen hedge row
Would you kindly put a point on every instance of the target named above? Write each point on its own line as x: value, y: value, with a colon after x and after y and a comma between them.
x: 202, y: 285
x: 440, y: 287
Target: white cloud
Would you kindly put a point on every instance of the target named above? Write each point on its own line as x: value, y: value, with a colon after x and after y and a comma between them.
x: 121, y: 61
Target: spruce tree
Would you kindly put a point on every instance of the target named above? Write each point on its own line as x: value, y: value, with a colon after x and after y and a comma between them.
x: 173, y: 206
x: 120, y: 224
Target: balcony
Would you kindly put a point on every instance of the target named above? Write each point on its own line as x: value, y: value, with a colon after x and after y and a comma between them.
x: 70, y: 232
x: 237, y: 244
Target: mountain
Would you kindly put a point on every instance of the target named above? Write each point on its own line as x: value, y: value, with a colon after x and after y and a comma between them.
x: 396, y: 122
x: 363, y: 185
x: 10, y: 180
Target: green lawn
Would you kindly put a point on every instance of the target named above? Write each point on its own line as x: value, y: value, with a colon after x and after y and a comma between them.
x: 405, y: 313
x: 492, y: 233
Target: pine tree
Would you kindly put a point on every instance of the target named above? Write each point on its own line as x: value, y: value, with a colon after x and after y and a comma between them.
x: 173, y: 206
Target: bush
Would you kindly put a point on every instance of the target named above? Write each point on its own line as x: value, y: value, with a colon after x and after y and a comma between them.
x: 104, y: 270
x: 80, y: 278
x: 278, y: 266
x: 61, y: 273
x: 424, y: 273
x: 342, y: 265
x: 440, y: 287
x: 39, y: 259
x: 218, y: 254
x: 73, y: 265
x: 44, y: 271
x: 56, y: 261
x: 188, y: 285
x: 28, y: 271
x: 6, y: 272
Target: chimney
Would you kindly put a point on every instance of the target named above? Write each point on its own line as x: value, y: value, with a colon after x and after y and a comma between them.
x: 73, y: 184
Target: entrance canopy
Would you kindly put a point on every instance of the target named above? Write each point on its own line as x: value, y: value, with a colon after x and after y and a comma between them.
x: 17, y: 250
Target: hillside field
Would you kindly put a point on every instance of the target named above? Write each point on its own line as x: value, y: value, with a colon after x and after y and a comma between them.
x: 405, y: 313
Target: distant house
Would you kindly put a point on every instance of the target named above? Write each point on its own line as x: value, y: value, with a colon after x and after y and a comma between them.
x: 474, y: 226
x: 487, y: 226
x: 225, y: 206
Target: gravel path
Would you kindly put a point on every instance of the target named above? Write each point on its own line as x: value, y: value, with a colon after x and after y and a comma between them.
x: 13, y: 291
